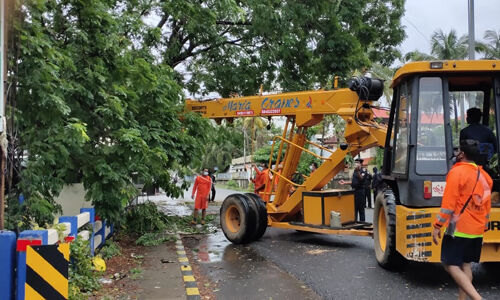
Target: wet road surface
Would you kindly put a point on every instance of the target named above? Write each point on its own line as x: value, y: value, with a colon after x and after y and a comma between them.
x: 285, y: 264
x: 334, y: 267
x: 241, y: 273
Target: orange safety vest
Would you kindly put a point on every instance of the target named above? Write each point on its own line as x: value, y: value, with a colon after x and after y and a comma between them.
x: 459, y: 184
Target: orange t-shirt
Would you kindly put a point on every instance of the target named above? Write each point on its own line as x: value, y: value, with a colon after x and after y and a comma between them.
x: 202, y: 186
x: 277, y: 177
x: 459, y: 184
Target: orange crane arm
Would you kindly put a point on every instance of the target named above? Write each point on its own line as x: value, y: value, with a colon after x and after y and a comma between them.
x: 305, y: 109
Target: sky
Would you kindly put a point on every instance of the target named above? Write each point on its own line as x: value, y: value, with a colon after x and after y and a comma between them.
x: 423, y: 17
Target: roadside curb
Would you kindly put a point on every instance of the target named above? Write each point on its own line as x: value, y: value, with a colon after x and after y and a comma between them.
x: 190, y: 283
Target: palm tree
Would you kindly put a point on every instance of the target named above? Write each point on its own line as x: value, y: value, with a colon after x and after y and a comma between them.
x: 417, y: 56
x: 255, y: 128
x: 491, y: 49
x: 448, y: 46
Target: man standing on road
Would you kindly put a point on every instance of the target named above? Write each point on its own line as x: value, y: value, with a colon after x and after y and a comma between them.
x: 212, y: 176
x: 359, y: 190
x: 367, y: 181
x: 257, y: 180
x: 465, y: 208
x: 202, y: 186
x: 377, y: 182
x: 262, y: 179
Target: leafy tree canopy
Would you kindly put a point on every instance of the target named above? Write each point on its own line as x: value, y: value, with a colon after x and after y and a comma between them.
x: 235, y: 46
x: 90, y: 99
x: 97, y: 85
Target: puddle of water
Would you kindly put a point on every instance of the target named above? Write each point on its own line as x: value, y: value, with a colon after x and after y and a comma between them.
x: 211, y: 248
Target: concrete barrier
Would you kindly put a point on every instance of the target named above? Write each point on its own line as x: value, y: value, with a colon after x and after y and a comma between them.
x: 28, y: 238
x: 7, y: 263
x: 97, y: 234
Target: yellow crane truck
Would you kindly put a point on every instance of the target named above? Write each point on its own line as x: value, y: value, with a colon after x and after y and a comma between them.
x: 419, y: 141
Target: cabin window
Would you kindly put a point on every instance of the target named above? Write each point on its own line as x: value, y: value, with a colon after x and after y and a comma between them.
x: 431, y: 142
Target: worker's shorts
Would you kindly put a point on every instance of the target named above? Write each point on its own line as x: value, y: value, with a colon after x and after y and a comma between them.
x: 456, y: 251
x: 201, y: 202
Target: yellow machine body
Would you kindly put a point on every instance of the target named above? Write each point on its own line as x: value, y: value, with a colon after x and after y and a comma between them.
x: 308, y: 208
x: 414, y: 235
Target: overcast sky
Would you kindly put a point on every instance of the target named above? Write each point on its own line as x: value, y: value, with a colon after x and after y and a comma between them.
x: 423, y: 17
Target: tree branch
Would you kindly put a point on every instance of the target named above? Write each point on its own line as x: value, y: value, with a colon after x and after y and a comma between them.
x: 162, y: 21
x: 233, y: 23
x: 189, y: 52
x: 233, y: 42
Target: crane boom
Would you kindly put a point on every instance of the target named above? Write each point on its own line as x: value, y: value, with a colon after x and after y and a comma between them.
x: 303, y: 110
x: 307, y: 107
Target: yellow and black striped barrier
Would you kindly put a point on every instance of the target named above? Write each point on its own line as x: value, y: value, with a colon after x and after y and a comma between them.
x: 192, y: 291
x: 47, y: 272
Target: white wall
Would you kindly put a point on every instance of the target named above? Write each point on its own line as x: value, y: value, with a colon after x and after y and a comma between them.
x: 72, y: 198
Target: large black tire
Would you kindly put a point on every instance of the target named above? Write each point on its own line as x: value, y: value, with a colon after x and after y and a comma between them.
x: 237, y: 219
x: 260, y: 213
x: 384, y: 231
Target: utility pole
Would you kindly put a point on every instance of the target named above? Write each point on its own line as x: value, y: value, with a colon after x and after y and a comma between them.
x: 472, y: 45
x: 3, y: 135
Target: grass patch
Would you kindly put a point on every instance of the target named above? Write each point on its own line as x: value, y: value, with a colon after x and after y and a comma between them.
x: 109, y: 250
x: 153, y: 239
x: 136, y: 273
x: 234, y: 188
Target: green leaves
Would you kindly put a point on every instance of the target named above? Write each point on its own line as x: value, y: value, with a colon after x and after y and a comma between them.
x: 83, y: 278
x: 98, y: 93
x: 293, y: 45
x: 91, y: 101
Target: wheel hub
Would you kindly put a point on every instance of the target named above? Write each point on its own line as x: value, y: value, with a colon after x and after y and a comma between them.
x: 233, y: 218
x: 382, y: 229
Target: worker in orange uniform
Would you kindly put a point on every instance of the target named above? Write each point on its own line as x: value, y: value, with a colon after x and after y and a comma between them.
x: 277, y: 176
x: 465, y: 210
x: 202, y: 186
x: 262, y: 180
x: 257, y: 180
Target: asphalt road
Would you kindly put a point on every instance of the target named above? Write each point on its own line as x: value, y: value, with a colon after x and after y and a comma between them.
x: 344, y: 267
x: 331, y: 267
x: 286, y: 264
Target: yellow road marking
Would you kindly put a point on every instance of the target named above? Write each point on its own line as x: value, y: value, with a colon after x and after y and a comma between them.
x: 181, y: 252
x: 192, y: 291
x: 183, y: 259
x: 189, y: 278
x: 47, y: 271
x: 186, y: 268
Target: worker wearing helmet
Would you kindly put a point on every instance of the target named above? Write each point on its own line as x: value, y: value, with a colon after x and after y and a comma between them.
x: 202, y: 186
x: 465, y: 210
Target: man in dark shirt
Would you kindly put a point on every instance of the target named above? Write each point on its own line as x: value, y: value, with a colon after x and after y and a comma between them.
x: 367, y: 181
x: 480, y: 133
x: 377, y: 183
x: 212, y: 197
x: 357, y: 184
